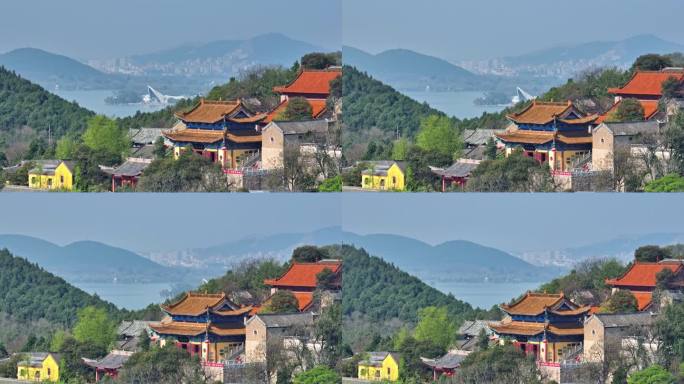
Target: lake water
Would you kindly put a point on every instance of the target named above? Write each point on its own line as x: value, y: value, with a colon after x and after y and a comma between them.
x: 95, y: 101
x: 459, y: 104
x: 484, y: 295
x: 129, y: 296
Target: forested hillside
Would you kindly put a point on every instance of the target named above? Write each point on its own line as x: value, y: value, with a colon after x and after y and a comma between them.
x: 24, y: 104
x: 34, y: 301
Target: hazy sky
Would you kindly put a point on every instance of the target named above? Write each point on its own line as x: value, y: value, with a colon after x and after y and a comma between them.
x: 511, y: 222
x: 88, y: 29
x: 466, y: 29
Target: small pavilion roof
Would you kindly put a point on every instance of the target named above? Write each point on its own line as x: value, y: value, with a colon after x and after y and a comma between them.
x: 643, y: 274
x: 114, y: 360
x: 647, y: 83
x: 311, y: 82
x: 304, y: 274
x: 451, y: 360
x: 533, y: 304
x: 545, y: 112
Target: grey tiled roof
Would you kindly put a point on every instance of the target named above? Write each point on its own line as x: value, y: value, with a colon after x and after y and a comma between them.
x: 380, y: 167
x: 143, y: 136
x: 114, y: 360
x: 473, y: 328
x: 630, y: 129
x: 449, y: 361
x: 286, y: 320
x: 132, y: 328
x: 478, y: 136
x: 130, y: 168
x: 35, y: 359
x: 300, y: 127
x: 376, y: 358
x: 625, y: 320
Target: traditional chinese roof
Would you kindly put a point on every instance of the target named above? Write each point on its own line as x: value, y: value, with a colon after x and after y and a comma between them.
x: 300, y: 127
x: 632, y: 129
x: 114, y: 360
x: 318, y: 108
x: 206, y: 136
x: 461, y: 168
x: 195, y: 304
x: 210, y: 111
x: 617, y: 320
x: 311, y: 82
x: 451, y: 360
x: 644, y: 299
x: 647, y: 83
x: 650, y: 109
x: 524, y: 136
x: 533, y: 304
x: 304, y: 274
x: 524, y: 328
x: 544, y: 112
x: 143, y: 136
x: 131, y: 167
x: 286, y: 320
x: 643, y: 274
x: 478, y: 136
x: 195, y: 329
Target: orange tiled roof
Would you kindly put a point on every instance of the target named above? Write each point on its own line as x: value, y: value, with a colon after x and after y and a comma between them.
x: 195, y: 135
x: 209, y: 111
x: 311, y: 82
x: 194, y: 304
x: 532, y: 328
x: 642, y: 274
x: 318, y: 107
x: 533, y: 304
x: 236, y: 312
x: 648, y: 83
x: 195, y: 329
x: 650, y: 108
x: 544, y: 112
x: 303, y: 274
x: 540, y: 137
x: 643, y: 299
x: 304, y: 301
x: 244, y: 138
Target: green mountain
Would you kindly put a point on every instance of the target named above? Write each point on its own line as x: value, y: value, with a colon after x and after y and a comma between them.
x: 51, y: 70
x: 90, y: 261
x: 27, y: 110
x: 408, y: 70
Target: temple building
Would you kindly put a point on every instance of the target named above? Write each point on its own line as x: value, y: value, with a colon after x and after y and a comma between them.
x: 641, y: 279
x: 557, y: 134
x: 205, y: 325
x: 547, y: 326
x: 647, y: 88
x: 313, y: 85
x: 227, y: 132
x: 301, y: 279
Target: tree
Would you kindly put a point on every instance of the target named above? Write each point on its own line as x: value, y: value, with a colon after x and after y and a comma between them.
x: 190, y: 173
x: 498, y: 364
x: 326, y: 280
x: 664, y: 278
x: 328, y: 336
x: 58, y: 340
x: 669, y: 329
x: 651, y: 62
x: 94, y: 326
x: 419, y: 177
x: 308, y: 254
x: 318, y: 375
x: 628, y: 110
x: 482, y: 340
x: 650, y: 254
x: 66, y: 149
x: 435, y: 326
x: 400, y: 149
x: 159, y: 148
x: 104, y: 135
x: 514, y: 173
x: 490, y: 149
x: 668, y: 183
x: 283, y: 302
x: 622, y: 301
x: 320, y: 60
x: 654, y: 374
x: 439, y: 134
x: 670, y: 88
x: 332, y: 184
x: 297, y: 109
x: 162, y: 365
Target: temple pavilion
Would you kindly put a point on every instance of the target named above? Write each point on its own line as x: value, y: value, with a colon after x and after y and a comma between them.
x: 227, y: 132
x: 557, y: 134
x: 206, y: 325
x: 641, y: 279
x: 548, y: 326
x: 301, y: 279
x: 313, y: 85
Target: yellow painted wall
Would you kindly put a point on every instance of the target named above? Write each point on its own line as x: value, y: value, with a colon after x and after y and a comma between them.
x: 393, y: 181
x: 48, y: 372
x: 388, y: 372
x: 62, y: 179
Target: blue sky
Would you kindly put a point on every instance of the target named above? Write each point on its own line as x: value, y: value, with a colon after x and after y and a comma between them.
x: 512, y: 222
x: 458, y: 29
x: 87, y: 29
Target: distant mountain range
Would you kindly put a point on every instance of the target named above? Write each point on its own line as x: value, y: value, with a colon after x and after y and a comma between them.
x: 51, y: 70
x: 451, y: 261
x: 621, y: 248
x: 213, y: 61
x: 565, y: 61
x: 90, y: 261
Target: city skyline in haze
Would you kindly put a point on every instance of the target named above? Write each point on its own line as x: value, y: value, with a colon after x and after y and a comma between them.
x: 85, y: 29
x: 487, y: 29
x: 510, y: 222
